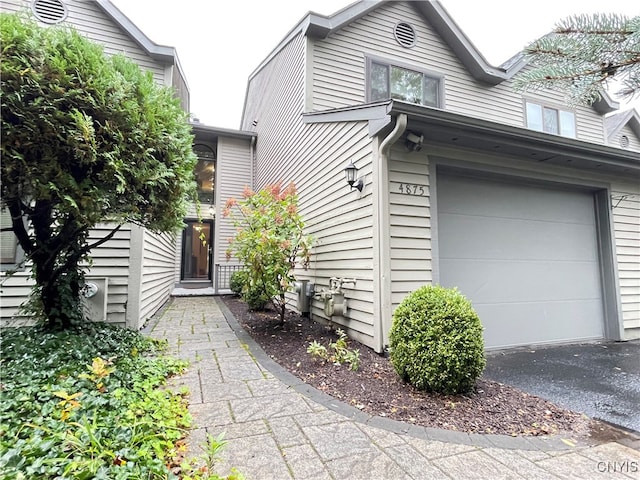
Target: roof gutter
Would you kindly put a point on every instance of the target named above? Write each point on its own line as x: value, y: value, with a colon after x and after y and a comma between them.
x: 381, y: 203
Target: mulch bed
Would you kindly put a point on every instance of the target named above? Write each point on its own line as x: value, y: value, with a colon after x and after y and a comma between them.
x: 376, y: 389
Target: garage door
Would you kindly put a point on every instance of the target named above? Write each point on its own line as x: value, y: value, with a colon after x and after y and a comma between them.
x: 526, y: 256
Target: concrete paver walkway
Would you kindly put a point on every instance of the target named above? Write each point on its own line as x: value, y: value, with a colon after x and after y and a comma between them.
x: 280, y: 428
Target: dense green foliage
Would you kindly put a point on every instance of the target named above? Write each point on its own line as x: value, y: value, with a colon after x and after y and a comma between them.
x: 582, y: 55
x: 269, y: 242
x: 237, y: 281
x: 436, y: 341
x: 85, y: 404
x: 86, y: 139
x: 252, y: 294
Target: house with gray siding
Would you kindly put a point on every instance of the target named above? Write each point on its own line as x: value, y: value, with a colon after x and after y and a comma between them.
x: 137, y: 270
x: 531, y: 208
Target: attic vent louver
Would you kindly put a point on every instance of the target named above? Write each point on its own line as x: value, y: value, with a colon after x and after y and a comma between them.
x: 624, y: 141
x: 405, y: 34
x: 49, y: 11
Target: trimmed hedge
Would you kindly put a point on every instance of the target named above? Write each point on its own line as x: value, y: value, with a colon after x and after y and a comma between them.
x: 436, y: 341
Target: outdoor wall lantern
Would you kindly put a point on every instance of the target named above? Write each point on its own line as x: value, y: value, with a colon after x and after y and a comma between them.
x: 351, y: 175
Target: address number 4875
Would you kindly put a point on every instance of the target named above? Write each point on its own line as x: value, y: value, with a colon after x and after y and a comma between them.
x: 411, y: 189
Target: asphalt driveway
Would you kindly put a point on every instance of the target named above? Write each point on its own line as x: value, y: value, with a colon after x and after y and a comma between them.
x: 601, y: 380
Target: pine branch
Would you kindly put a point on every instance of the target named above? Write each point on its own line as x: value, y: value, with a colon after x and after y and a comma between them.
x: 582, y: 54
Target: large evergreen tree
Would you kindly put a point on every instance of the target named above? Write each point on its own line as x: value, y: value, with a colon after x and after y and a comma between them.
x: 583, y: 55
x: 86, y: 139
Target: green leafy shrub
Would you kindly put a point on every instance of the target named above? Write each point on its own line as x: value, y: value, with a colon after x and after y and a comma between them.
x: 255, y: 297
x: 237, y: 281
x: 88, y: 403
x: 436, y: 341
x: 240, y: 284
x: 87, y: 138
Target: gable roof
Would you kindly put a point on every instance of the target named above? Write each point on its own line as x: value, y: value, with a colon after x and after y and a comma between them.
x: 315, y: 25
x: 617, y: 121
x: 158, y: 52
x: 319, y: 26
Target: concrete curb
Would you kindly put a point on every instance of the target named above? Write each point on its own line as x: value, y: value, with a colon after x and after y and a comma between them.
x: 425, y: 433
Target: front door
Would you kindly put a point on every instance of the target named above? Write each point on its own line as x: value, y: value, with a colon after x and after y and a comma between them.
x: 196, y: 250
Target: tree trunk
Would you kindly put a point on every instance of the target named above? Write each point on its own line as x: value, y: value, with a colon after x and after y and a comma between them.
x: 60, y: 299
x: 283, y: 308
x: 56, y: 258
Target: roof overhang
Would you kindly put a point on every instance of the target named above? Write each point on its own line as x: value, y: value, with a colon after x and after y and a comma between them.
x: 158, y: 52
x: 211, y: 134
x: 444, y: 128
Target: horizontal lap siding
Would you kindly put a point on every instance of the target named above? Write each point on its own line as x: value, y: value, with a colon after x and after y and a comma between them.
x: 110, y: 260
x: 626, y: 216
x: 339, y: 71
x: 158, y: 263
x: 410, y: 222
x: 339, y: 220
x: 234, y: 168
x: 634, y: 141
x: 313, y: 156
x: 89, y: 19
x: 14, y: 291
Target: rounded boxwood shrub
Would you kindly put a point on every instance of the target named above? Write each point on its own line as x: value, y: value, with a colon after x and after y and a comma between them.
x: 436, y: 341
x: 237, y: 281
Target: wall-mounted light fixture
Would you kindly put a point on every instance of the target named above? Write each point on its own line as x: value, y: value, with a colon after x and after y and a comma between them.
x: 351, y: 175
x: 414, y: 141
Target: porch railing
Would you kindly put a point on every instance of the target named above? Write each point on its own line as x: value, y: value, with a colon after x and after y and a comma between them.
x: 223, y: 276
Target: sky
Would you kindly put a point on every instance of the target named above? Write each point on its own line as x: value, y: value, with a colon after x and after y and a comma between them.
x: 220, y: 42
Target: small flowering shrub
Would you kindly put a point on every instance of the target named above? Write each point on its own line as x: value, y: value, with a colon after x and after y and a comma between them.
x: 269, y: 241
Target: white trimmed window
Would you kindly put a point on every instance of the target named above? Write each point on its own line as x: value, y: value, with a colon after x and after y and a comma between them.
x: 390, y: 81
x: 550, y: 120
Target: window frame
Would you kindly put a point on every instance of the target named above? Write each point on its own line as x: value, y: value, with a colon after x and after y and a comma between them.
x: 18, y: 260
x: 207, y: 156
x: 545, y: 107
x: 438, y: 77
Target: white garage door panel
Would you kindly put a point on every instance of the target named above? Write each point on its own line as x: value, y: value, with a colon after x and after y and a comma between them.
x: 526, y: 256
x: 494, y: 281
x: 538, y: 323
x: 504, y: 200
x: 517, y: 239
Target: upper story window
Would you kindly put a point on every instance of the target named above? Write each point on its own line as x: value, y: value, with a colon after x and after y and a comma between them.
x: 551, y: 120
x: 205, y: 173
x: 391, y: 81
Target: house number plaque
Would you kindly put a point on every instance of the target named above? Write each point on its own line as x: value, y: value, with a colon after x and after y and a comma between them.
x: 412, y: 189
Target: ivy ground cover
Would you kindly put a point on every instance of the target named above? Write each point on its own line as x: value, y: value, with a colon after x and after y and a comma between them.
x: 88, y: 403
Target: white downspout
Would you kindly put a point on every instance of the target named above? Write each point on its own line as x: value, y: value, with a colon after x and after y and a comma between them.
x: 384, y: 304
x: 252, y: 152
